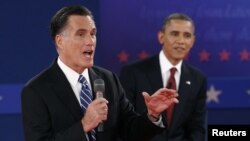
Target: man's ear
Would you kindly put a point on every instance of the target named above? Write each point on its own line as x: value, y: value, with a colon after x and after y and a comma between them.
x: 59, y: 41
x: 160, y: 37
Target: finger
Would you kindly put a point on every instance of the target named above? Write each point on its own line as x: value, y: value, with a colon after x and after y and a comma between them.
x: 146, y: 97
x: 99, y: 101
x: 175, y: 100
x: 103, y: 100
x: 105, y: 107
x: 169, y: 90
x: 164, y: 91
x: 105, y: 117
x: 173, y: 95
x: 170, y: 95
x: 172, y: 101
x: 102, y: 109
x: 102, y: 104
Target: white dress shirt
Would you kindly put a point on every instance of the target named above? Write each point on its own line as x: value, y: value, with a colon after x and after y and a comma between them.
x: 73, y: 77
x: 165, y: 66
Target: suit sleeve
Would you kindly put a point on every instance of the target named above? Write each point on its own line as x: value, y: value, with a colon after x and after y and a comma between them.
x: 37, y: 123
x: 135, y: 127
x: 128, y: 82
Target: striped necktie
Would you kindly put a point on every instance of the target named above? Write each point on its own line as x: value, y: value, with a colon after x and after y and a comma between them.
x: 85, y: 100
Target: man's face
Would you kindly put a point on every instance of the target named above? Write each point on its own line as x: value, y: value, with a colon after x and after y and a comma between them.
x: 177, y: 40
x: 77, y: 42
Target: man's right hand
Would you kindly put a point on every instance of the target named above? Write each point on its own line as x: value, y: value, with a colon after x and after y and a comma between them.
x: 160, y: 101
x: 96, y: 113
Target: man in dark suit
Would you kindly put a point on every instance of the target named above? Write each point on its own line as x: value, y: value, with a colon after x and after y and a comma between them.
x: 188, y: 118
x: 53, y: 108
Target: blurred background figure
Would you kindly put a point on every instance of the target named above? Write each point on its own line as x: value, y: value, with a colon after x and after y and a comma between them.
x: 167, y: 69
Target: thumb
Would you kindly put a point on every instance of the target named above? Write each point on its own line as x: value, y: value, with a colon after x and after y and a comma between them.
x: 146, y: 97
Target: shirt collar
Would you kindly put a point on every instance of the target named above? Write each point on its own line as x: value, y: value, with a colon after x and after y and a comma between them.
x: 71, y: 75
x: 166, y: 65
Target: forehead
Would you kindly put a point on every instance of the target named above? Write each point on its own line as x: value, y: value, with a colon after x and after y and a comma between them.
x: 84, y: 22
x: 180, y: 25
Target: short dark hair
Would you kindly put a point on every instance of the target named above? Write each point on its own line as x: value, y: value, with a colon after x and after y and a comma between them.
x: 176, y: 16
x: 60, y: 19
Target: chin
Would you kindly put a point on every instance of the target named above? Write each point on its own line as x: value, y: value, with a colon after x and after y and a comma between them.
x: 180, y: 56
x: 89, y: 65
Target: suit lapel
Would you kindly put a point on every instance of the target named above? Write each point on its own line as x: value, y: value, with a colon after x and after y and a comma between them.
x: 154, y: 74
x: 63, y: 90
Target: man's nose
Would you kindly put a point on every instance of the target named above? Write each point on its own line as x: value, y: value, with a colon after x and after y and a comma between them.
x: 180, y: 39
x: 90, y: 40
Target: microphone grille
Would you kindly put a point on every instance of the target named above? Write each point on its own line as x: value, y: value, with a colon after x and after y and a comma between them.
x: 99, y: 85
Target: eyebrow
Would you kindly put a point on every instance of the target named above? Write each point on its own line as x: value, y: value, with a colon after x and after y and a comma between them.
x: 81, y: 30
x: 185, y: 32
x: 84, y: 30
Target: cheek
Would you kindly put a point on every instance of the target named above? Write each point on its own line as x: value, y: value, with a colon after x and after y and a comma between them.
x: 72, y: 51
x: 189, y: 46
x: 170, y: 41
x: 190, y: 43
x: 163, y: 39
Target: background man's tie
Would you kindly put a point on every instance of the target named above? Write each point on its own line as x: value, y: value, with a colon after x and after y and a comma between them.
x: 85, y: 99
x: 171, y: 85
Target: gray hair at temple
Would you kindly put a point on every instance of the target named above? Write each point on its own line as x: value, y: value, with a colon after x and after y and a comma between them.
x: 60, y: 19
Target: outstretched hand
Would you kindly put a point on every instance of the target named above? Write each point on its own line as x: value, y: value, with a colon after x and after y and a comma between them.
x: 160, y: 100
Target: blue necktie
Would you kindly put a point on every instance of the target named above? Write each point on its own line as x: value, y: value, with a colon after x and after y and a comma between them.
x: 86, y: 99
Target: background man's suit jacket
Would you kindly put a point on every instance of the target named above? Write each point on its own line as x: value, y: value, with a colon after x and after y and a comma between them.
x: 188, y: 122
x: 51, y: 111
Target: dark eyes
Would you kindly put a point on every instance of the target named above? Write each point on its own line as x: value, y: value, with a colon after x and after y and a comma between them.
x: 93, y: 33
x: 82, y: 34
x: 187, y: 35
x: 176, y: 34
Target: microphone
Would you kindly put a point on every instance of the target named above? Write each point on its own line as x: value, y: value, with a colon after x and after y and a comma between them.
x: 99, y: 88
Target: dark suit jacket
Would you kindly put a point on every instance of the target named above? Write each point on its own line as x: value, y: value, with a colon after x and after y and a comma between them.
x: 51, y: 111
x: 188, y: 122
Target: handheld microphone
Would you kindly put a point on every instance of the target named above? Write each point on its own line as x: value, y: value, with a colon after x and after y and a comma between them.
x: 99, y: 88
